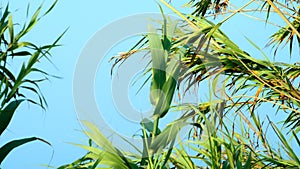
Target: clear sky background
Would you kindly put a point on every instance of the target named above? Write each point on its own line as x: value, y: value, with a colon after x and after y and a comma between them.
x: 59, y: 124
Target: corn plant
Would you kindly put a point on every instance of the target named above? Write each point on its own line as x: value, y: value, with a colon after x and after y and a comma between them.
x: 15, y: 86
x: 225, y: 132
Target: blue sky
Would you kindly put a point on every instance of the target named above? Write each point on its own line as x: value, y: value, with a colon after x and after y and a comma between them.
x: 59, y: 124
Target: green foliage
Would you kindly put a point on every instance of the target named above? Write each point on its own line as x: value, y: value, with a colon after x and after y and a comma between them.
x: 228, y: 131
x: 8, y: 147
x: 15, y: 86
x: 7, y: 114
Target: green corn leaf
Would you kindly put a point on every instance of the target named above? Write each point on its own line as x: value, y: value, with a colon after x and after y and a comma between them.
x: 7, y: 148
x: 158, y: 65
x: 286, y: 145
x: 33, y: 21
x: 85, y: 161
x: 167, y: 136
x: 22, y: 53
x: 182, y: 158
x: 8, y: 73
x: 248, y: 162
x: 166, y: 97
x: 5, y: 14
x: 112, y: 157
x: 11, y: 29
x: 148, y: 125
x: 51, y: 7
x: 7, y: 113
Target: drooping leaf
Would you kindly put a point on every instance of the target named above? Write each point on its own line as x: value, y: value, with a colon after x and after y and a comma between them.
x: 8, y: 147
x: 148, y: 125
x: 7, y: 113
x: 158, y: 65
x: 168, y: 135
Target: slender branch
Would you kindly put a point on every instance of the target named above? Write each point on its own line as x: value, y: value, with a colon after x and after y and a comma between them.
x: 193, y: 25
x: 263, y: 81
x: 284, y: 18
x: 180, y: 15
x: 237, y: 11
x: 285, y: 6
x: 267, y: 101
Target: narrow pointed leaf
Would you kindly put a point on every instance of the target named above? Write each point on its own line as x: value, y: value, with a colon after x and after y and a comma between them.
x: 7, y: 113
x: 7, y: 148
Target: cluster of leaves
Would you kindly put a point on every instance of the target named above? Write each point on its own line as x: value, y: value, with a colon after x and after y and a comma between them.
x: 227, y: 131
x: 287, y: 9
x: 204, y: 7
x: 15, y: 86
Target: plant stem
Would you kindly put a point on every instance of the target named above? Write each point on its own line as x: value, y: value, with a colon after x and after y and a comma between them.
x: 155, y: 127
x: 180, y: 15
x: 237, y: 11
x: 284, y: 18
